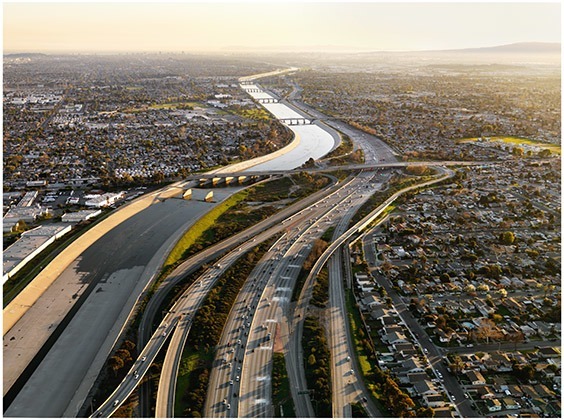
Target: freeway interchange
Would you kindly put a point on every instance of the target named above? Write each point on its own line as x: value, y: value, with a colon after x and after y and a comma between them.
x: 263, y: 317
x: 240, y: 382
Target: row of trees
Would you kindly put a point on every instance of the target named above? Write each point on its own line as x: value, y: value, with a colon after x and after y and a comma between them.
x: 317, y: 366
x: 208, y: 325
x: 320, y: 295
x: 319, y: 246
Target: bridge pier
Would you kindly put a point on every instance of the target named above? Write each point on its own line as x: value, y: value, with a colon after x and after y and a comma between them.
x: 209, y: 197
x: 187, y: 195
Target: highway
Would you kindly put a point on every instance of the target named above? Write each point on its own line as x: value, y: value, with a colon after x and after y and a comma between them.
x: 206, y: 256
x: 344, y: 378
x: 139, y: 369
x: 188, y: 304
x: 352, y: 167
x: 259, y: 310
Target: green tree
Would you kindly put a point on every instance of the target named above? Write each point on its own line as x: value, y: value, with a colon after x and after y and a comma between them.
x: 517, y: 151
x: 507, y: 238
x: 115, y: 363
x: 311, y: 360
x: 544, y: 153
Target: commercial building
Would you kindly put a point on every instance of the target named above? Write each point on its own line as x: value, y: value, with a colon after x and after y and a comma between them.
x: 80, y: 216
x: 32, y: 242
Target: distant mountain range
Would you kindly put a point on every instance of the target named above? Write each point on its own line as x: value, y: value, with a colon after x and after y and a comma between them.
x: 25, y: 55
x: 528, y: 48
x: 517, y: 48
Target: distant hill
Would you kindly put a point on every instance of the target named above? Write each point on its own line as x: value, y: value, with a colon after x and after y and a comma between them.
x: 24, y: 55
x: 517, y: 48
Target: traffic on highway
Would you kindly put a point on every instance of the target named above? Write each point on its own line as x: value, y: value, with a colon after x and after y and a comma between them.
x: 263, y: 318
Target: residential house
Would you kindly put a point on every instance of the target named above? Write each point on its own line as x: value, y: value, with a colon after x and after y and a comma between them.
x: 368, y: 302
x: 493, y: 405
x: 442, y: 412
x: 423, y: 388
x: 394, y: 338
x: 475, y: 378
x: 510, y: 403
x: 485, y: 393
x: 411, y: 366
x: 543, y: 391
x: 378, y: 313
x: 433, y: 400
x: 515, y: 391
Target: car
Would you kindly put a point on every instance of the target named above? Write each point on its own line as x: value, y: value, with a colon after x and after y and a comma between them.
x: 144, y: 358
x: 116, y: 402
x: 453, y: 397
x: 352, y: 371
x: 426, y: 351
x: 237, y: 378
x: 225, y: 401
x: 348, y: 358
x: 136, y: 376
x: 135, y: 373
x: 229, y: 406
x: 364, y: 399
x: 231, y: 382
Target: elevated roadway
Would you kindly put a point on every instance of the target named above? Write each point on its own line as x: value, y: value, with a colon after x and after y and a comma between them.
x: 264, y: 305
x: 356, y: 167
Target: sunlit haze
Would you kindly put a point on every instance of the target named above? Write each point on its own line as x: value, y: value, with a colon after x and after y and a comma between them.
x: 274, y: 26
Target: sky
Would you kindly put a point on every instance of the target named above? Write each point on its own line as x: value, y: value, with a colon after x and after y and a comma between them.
x: 273, y: 26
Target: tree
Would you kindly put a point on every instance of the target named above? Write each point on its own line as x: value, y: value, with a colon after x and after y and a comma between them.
x: 425, y: 412
x: 445, y: 278
x: 115, y: 363
x: 524, y: 372
x: 544, y: 153
x: 487, y: 330
x: 497, y: 318
x: 311, y: 360
x: 507, y: 238
x: 128, y: 345
x: 517, y: 151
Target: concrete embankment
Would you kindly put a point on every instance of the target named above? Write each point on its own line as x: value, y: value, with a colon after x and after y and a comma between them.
x: 242, y: 166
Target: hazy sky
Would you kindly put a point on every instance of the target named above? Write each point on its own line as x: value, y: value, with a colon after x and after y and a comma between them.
x: 228, y: 26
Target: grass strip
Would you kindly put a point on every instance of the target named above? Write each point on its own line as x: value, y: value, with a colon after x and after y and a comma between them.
x: 206, y: 221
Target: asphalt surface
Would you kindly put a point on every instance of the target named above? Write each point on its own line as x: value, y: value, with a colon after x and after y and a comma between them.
x: 345, y: 379
x: 261, y: 307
